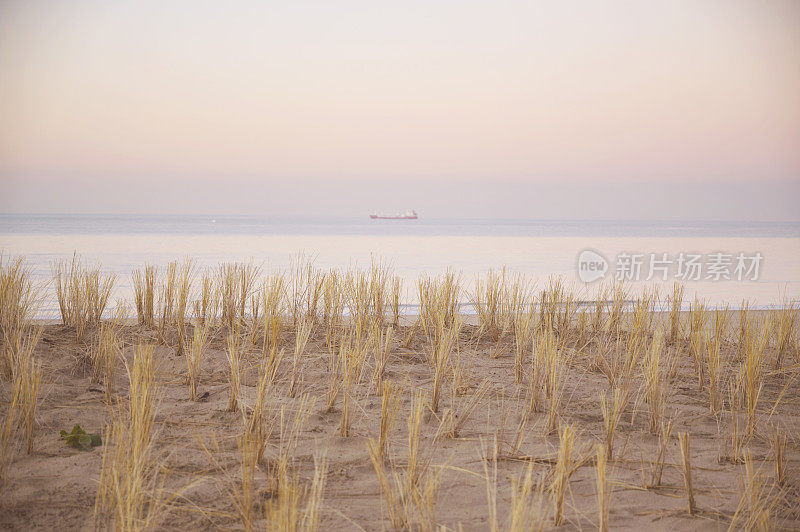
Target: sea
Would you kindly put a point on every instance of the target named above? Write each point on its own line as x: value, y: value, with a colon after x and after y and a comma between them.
x: 721, y: 263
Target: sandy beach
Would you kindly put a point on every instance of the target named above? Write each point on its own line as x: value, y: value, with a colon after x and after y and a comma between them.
x: 498, y: 418
x: 424, y: 266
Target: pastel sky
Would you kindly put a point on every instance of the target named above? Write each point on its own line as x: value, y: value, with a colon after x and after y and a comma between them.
x: 614, y: 109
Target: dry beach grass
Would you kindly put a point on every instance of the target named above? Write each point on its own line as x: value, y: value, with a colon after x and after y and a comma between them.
x: 304, y: 400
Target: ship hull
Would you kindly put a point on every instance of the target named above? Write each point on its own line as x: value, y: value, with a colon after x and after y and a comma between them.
x: 376, y: 217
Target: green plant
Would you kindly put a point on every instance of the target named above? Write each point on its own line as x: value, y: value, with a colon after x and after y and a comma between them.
x: 79, y: 439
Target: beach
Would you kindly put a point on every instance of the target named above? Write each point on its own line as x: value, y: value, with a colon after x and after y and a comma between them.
x: 423, y: 266
x: 325, y: 409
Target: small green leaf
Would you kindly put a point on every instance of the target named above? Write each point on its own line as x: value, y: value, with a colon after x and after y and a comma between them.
x: 84, y: 441
x: 78, y: 438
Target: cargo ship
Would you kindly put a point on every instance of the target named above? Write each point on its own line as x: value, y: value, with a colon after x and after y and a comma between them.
x: 408, y: 215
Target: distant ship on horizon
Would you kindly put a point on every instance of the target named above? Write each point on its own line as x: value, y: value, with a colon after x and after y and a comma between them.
x: 410, y: 214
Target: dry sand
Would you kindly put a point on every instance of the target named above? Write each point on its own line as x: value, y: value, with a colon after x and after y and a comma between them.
x: 55, y: 486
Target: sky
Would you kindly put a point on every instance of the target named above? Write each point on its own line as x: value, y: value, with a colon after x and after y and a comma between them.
x: 610, y: 110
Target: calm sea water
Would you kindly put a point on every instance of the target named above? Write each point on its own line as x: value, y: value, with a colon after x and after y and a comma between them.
x: 535, y: 248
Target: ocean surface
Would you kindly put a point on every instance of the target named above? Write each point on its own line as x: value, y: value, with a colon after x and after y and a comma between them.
x: 538, y: 249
